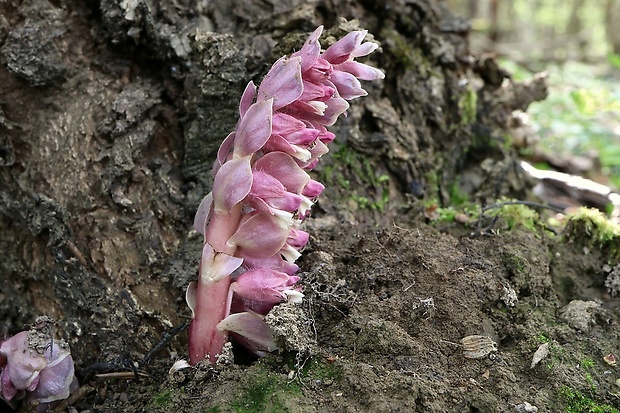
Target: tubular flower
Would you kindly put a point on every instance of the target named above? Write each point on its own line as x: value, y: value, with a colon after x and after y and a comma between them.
x: 262, y: 193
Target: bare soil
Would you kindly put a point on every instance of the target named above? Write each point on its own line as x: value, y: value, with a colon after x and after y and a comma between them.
x: 386, y: 309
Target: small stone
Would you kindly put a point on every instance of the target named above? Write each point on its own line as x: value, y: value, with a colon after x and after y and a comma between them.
x: 580, y: 314
x: 476, y: 346
x: 525, y: 407
x: 541, y: 353
x: 611, y: 359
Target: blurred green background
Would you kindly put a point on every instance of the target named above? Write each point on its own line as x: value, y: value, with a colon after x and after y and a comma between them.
x: 577, y: 42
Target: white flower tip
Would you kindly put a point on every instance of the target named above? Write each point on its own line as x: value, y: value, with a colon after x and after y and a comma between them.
x: 305, y: 206
x: 283, y: 215
x: 294, y: 296
x: 318, y: 106
x: 290, y: 254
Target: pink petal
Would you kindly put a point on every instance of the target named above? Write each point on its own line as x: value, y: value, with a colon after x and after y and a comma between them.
x: 254, y: 128
x: 247, y: 98
x: 310, y: 50
x: 262, y: 285
x: 269, y: 195
x: 348, y: 85
x: 288, y: 202
x: 232, y: 184
x: 319, y: 72
x: 284, y: 168
x: 310, y: 165
x: 261, y: 235
x: 336, y: 106
x: 313, y: 91
x: 190, y: 296
x: 310, y: 110
x: 278, y: 143
x: 303, y: 137
x: 360, y: 70
x: 266, y: 186
x: 203, y: 213
x: 8, y: 389
x: 319, y: 149
x: 289, y: 253
x: 282, y: 83
x: 54, y: 382
x: 297, y: 238
x: 223, y: 152
x: 275, y: 262
x: 326, y: 137
x: 217, y: 265
x: 364, y: 49
x: 23, y: 364
x: 313, y: 189
x: 283, y: 124
x: 257, y: 334
x: 341, y: 50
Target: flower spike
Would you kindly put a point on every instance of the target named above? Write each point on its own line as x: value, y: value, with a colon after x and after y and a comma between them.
x: 262, y: 192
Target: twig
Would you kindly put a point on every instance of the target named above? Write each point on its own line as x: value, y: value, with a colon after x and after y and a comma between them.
x: 166, y: 337
x: 481, y: 231
x: 128, y: 375
x: 526, y: 203
x: 78, y: 395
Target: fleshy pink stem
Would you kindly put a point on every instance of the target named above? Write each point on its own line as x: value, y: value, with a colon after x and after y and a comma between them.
x: 205, y: 340
x: 212, y: 296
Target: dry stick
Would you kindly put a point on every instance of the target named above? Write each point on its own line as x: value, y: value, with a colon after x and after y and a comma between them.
x: 165, y: 339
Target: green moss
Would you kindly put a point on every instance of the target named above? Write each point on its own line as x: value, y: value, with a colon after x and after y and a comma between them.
x: 516, y: 215
x: 577, y: 402
x: 446, y: 214
x: 165, y: 400
x: 404, y: 55
x: 265, y: 391
x: 162, y: 399
x: 468, y: 109
x: 375, y: 185
x: 318, y: 369
x: 587, y: 363
x: 515, y: 264
x: 543, y: 338
x: 591, y: 225
x: 557, y: 355
x: 457, y: 197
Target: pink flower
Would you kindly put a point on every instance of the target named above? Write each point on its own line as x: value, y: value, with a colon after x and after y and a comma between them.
x: 35, y: 370
x: 262, y: 192
x: 269, y: 195
x: 266, y: 286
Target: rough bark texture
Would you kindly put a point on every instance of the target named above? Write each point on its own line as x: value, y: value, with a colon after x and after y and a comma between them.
x: 111, y: 114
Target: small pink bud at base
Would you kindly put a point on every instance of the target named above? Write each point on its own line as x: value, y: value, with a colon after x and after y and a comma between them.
x: 35, y: 368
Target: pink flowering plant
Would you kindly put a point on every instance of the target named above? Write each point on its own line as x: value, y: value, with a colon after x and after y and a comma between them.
x: 262, y: 192
x: 35, y: 369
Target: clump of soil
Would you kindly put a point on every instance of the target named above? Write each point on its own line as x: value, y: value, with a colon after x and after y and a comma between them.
x: 386, y: 310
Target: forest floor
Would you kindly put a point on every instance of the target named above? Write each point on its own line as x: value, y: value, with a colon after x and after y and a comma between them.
x: 423, y: 316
